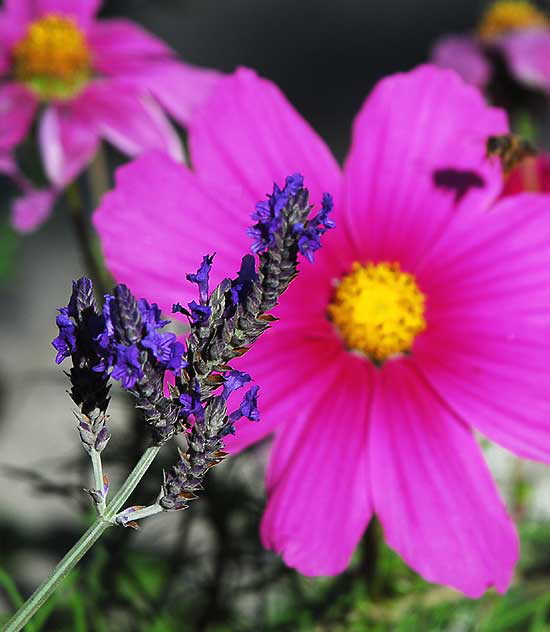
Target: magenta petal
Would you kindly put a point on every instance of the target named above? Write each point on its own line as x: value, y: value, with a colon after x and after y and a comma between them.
x: 290, y: 363
x: 528, y: 55
x: 117, y: 44
x: 17, y: 109
x: 128, y: 119
x: 464, y: 55
x: 68, y: 141
x: 248, y: 136
x: 7, y: 164
x: 179, y: 87
x: 487, y: 344
x: 19, y: 10
x: 159, y: 221
x: 14, y: 17
x: 432, y: 491
x: 32, y: 209
x: 418, y: 157
x: 82, y: 10
x: 319, y: 488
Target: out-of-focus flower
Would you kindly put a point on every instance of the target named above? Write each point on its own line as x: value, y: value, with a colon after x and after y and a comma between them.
x: 531, y: 176
x: 86, y: 80
x: 515, y: 29
x: 425, y: 315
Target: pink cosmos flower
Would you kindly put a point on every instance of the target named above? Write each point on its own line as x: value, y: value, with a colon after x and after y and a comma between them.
x: 533, y: 175
x: 86, y: 79
x: 426, y: 315
x: 515, y: 29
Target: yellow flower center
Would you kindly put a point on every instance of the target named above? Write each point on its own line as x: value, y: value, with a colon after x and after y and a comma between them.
x: 378, y: 310
x: 53, y: 58
x: 510, y: 15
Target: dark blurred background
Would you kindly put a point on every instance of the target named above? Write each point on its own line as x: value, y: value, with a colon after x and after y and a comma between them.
x: 324, y: 55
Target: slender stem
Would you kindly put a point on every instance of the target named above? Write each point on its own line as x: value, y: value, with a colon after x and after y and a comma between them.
x: 98, y: 478
x: 43, y: 592
x: 370, y: 558
x: 151, y: 510
x: 98, y: 177
x: 84, y: 237
x: 131, y: 482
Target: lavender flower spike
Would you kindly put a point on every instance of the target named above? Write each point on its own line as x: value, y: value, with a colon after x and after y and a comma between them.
x: 236, y: 317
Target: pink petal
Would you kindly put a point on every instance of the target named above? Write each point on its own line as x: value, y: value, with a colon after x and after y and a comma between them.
x: 319, y: 488
x: 432, y: 491
x: 17, y: 109
x: 32, y: 209
x: 129, y: 119
x: 14, y: 17
x: 82, y: 10
x: 463, y: 55
x: 118, y: 43
x: 19, y: 10
x: 159, y: 221
x: 9, y: 33
x: 68, y: 141
x: 487, y: 344
x: 289, y: 363
x: 179, y: 87
x: 7, y: 164
x: 419, y: 138
x: 248, y: 136
x: 528, y: 55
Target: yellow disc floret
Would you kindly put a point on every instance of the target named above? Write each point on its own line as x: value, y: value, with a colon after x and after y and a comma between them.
x: 53, y: 58
x: 510, y: 15
x: 378, y: 310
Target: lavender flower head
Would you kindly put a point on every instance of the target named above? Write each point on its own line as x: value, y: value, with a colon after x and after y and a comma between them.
x: 127, y: 341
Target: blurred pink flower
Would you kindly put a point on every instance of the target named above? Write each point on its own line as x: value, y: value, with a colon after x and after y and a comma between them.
x: 464, y: 55
x: 528, y: 56
x: 423, y: 317
x: 533, y: 175
x: 515, y: 29
x: 87, y: 79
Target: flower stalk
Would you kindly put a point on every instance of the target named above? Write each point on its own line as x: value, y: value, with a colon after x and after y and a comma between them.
x: 96, y: 530
x: 75, y: 208
x: 100, y: 482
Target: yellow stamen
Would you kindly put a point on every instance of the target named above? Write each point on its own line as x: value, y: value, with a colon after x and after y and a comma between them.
x: 378, y: 310
x: 510, y: 15
x: 53, y: 58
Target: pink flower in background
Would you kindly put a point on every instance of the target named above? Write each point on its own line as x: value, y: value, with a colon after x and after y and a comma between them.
x: 85, y: 80
x: 425, y: 316
x: 464, y: 55
x: 528, y: 56
x: 532, y: 175
x: 514, y: 29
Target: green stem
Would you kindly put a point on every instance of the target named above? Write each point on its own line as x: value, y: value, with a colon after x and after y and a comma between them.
x: 98, y: 478
x: 98, y: 177
x: 84, y: 237
x: 38, y: 598
x: 370, y: 559
x: 131, y: 482
x: 43, y: 592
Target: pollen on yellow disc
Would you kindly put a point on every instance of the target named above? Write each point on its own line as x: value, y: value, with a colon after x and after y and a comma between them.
x: 378, y: 310
x: 509, y: 15
x: 53, y: 58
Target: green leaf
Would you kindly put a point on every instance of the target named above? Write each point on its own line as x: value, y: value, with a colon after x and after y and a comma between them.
x: 7, y: 583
